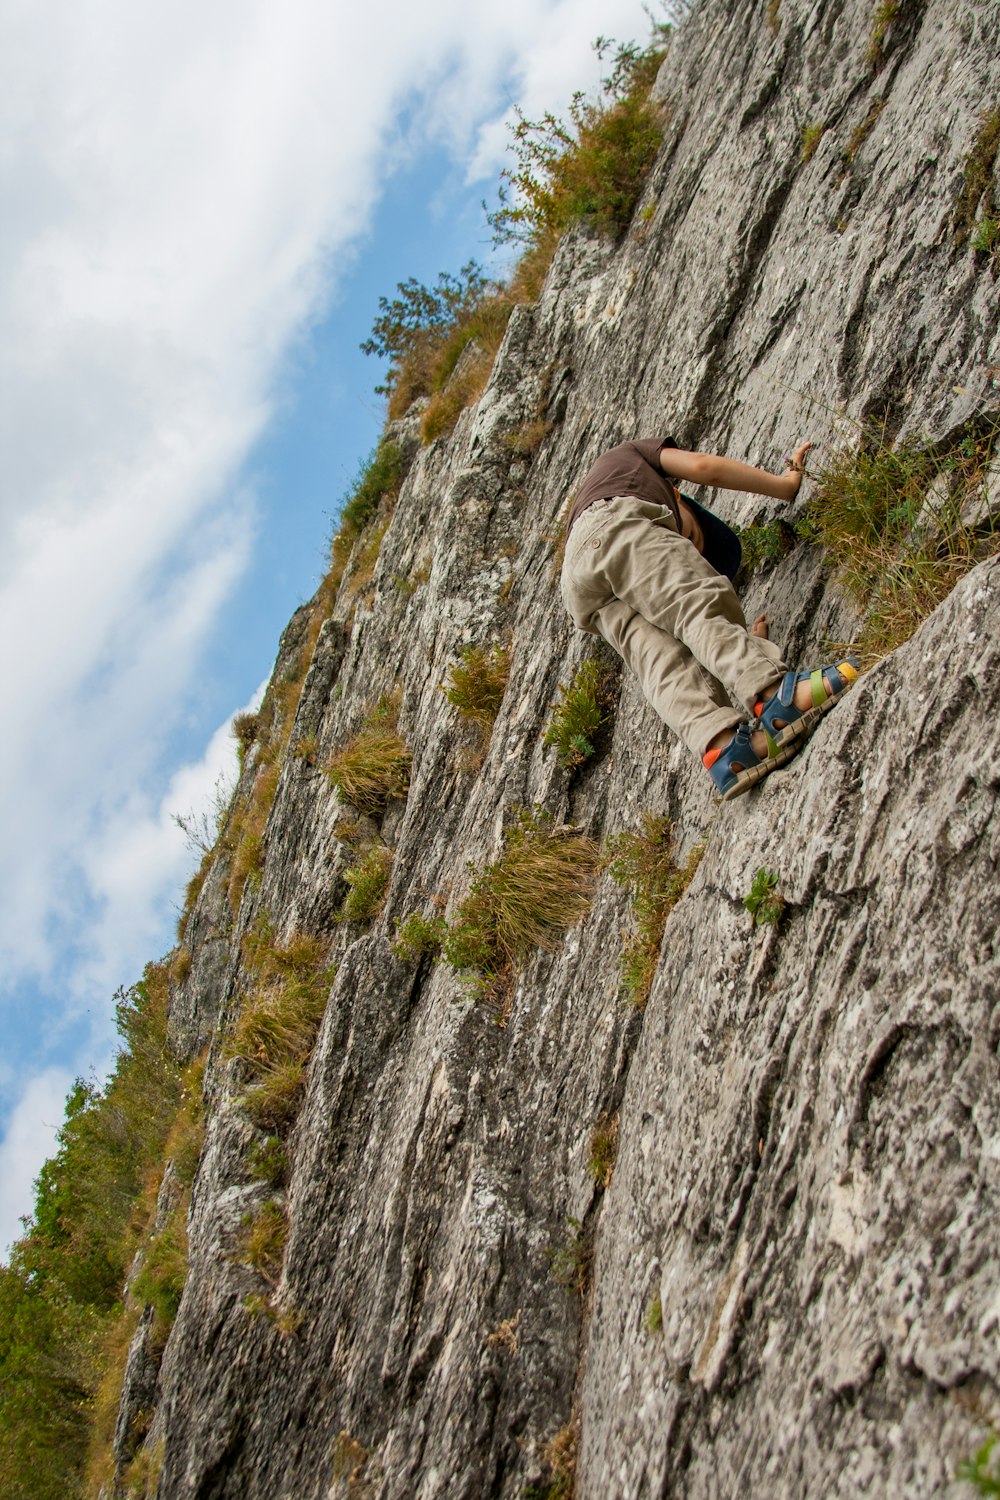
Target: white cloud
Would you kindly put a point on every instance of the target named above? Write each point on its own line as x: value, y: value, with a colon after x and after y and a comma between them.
x: 29, y: 1139
x: 142, y: 857
x: 180, y: 185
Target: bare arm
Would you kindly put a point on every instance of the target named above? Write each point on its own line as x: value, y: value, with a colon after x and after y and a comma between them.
x: 730, y: 474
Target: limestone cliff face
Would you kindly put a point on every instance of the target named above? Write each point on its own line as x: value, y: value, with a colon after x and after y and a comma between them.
x: 808, y: 1171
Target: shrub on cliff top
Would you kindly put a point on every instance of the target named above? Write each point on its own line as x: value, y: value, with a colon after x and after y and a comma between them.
x: 591, y: 167
x: 60, y: 1310
x: 417, y: 331
x: 441, y: 340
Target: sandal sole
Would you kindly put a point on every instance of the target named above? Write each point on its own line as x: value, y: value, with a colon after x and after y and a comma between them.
x: 753, y: 774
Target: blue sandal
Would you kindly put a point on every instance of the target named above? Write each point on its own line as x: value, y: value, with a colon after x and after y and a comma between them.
x: 784, y: 724
x: 738, y: 767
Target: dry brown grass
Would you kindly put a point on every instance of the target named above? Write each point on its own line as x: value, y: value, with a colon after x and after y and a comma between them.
x: 505, y: 1335
x: 541, y: 885
x: 277, y: 1024
x: 603, y: 1149
x: 262, y: 1243
x: 525, y: 441
x: 463, y: 389
x: 372, y: 769
x: 560, y: 1455
x: 364, y: 559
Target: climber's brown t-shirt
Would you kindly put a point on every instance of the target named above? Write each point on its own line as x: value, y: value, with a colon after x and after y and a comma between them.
x: 629, y: 469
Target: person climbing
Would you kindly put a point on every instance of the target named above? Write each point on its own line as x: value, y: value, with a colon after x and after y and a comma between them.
x: 651, y: 570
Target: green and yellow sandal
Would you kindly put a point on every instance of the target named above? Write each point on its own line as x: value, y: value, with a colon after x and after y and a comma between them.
x: 782, y: 723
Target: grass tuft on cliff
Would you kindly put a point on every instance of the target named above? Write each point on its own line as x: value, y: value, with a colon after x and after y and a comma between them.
x: 374, y: 766
x: 477, y: 682
x: 368, y: 886
x: 542, y: 884
x: 976, y: 218
x: 642, y: 862
x: 278, y: 1021
x: 903, y: 524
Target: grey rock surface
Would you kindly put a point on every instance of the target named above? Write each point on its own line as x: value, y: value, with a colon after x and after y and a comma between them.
x: 807, y: 1177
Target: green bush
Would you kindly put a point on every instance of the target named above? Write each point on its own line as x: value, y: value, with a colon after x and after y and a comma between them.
x: 245, y: 730
x: 571, y: 1261
x: 987, y: 236
x: 811, y: 137
x: 861, y: 132
x: 765, y: 543
x: 372, y: 769
x: 417, y: 937
x: 426, y: 331
x: 583, y: 708
x: 591, y: 168
x: 160, y: 1281
x: 643, y: 863
x: 368, y: 883
x: 603, y: 1149
x: 980, y: 1470
x: 417, y: 330
x: 763, y: 901
x: 59, y: 1294
x: 268, y: 1161
x: 979, y: 193
x: 381, y: 474
x: 883, y: 16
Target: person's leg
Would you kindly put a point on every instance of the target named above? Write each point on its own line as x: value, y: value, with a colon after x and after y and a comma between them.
x: 687, y: 698
x: 648, y: 565
x: 689, y: 701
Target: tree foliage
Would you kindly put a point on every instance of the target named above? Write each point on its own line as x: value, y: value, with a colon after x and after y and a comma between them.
x: 592, y: 165
x: 62, y: 1287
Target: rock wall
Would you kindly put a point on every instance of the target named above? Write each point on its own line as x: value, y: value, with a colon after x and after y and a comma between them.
x: 809, y: 1114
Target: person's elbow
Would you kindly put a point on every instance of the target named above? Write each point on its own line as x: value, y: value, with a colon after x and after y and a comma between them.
x: 693, y: 468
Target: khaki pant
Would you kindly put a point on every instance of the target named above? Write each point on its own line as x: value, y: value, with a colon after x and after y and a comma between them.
x: 630, y: 577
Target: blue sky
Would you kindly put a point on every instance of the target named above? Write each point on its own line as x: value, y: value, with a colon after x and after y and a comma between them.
x: 200, y: 208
